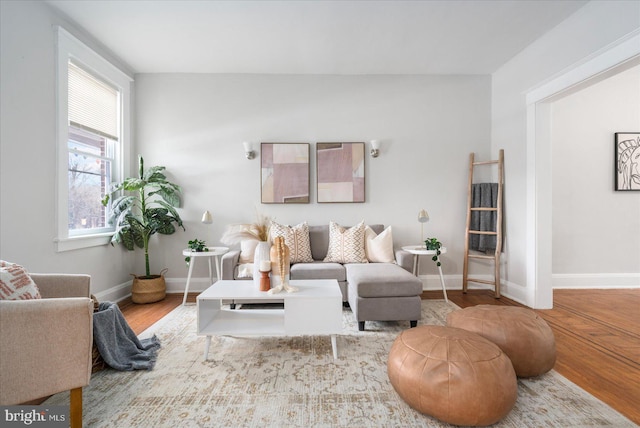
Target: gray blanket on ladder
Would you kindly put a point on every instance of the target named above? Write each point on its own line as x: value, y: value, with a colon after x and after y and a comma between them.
x: 483, y: 195
x: 118, y: 344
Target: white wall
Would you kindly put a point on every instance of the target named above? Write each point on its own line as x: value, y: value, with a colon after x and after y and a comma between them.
x: 428, y: 126
x: 194, y: 125
x: 28, y: 152
x: 596, y: 230
x: 590, y: 29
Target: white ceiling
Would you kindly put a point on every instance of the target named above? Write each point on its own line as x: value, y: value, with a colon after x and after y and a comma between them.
x: 317, y: 37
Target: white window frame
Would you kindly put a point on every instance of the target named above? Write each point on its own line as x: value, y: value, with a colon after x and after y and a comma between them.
x: 70, y: 48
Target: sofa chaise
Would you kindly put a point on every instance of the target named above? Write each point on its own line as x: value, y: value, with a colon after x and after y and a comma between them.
x: 374, y: 291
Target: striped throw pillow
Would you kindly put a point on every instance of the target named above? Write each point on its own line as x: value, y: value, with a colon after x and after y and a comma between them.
x: 15, y: 283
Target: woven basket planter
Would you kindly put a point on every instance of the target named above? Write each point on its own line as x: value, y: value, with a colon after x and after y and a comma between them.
x: 148, y: 289
x: 97, y: 363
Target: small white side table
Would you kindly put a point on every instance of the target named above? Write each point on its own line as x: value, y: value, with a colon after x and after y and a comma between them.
x: 418, y: 251
x: 213, y: 252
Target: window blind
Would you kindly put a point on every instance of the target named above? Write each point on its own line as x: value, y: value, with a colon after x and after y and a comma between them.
x: 93, y: 104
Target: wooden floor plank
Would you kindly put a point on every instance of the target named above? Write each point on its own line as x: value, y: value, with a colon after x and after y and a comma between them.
x: 597, y: 336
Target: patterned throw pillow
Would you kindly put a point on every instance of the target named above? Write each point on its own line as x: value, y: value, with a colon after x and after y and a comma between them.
x: 379, y: 248
x: 296, y: 238
x: 15, y: 283
x: 346, y: 245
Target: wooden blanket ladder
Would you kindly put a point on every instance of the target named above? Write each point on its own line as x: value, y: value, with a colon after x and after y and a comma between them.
x: 498, y: 230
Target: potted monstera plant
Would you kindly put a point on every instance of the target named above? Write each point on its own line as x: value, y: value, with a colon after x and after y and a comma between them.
x: 141, y: 207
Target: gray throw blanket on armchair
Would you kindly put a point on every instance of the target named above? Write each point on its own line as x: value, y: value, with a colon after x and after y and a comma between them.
x: 118, y: 344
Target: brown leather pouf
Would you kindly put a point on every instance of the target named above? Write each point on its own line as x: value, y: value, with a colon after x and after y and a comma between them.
x: 453, y: 375
x: 524, y: 336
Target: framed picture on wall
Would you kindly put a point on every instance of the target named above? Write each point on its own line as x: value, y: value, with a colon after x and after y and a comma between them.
x: 340, y: 172
x: 627, y: 160
x: 284, y: 172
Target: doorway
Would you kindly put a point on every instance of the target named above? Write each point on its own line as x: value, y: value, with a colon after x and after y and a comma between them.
x: 611, y: 61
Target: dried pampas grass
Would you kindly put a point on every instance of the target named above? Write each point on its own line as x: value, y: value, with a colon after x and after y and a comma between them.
x: 236, y: 233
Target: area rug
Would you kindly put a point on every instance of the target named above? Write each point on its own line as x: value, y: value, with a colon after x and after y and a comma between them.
x: 295, y: 382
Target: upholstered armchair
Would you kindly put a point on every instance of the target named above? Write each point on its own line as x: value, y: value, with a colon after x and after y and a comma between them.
x: 45, y: 344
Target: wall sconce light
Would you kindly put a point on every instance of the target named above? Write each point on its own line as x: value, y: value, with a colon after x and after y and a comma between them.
x: 423, y: 217
x: 375, y: 148
x: 248, y: 150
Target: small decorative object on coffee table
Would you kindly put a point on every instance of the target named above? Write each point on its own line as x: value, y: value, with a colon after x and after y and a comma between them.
x: 265, y: 281
x: 280, y: 261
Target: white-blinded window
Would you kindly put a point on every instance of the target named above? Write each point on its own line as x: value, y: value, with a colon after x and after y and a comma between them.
x: 93, y: 129
x: 93, y: 148
x: 93, y: 103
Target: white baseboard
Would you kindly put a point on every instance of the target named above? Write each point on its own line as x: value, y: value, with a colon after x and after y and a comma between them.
x: 454, y: 282
x: 174, y: 285
x: 429, y: 282
x: 116, y: 293
x: 596, y: 280
x: 197, y: 285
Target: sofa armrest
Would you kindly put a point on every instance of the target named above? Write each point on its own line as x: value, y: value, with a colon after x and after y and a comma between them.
x: 228, y: 263
x: 405, y: 260
x: 46, y: 347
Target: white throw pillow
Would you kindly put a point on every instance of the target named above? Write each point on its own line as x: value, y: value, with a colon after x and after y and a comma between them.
x: 379, y: 248
x: 296, y: 238
x: 16, y: 284
x: 346, y: 245
x: 247, y: 250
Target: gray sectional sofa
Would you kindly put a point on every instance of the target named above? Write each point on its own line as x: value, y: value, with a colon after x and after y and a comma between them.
x: 374, y: 291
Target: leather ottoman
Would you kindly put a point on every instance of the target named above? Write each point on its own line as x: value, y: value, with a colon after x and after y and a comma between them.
x: 521, y: 334
x: 453, y: 375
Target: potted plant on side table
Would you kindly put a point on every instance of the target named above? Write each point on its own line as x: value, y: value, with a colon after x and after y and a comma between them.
x: 197, y: 245
x: 433, y: 244
x: 148, y: 206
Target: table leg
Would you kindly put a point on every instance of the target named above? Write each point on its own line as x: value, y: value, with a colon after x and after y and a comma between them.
x: 210, y: 271
x: 217, y: 268
x: 206, y: 347
x: 444, y: 289
x: 186, y: 288
x: 334, y: 346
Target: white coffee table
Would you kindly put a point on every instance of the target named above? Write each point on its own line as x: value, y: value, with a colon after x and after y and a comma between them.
x: 315, y: 309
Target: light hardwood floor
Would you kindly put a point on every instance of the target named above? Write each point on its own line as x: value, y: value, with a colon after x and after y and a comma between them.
x: 597, y: 337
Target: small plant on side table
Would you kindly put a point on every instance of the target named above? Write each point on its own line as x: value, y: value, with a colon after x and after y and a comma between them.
x: 434, y: 245
x: 198, y: 246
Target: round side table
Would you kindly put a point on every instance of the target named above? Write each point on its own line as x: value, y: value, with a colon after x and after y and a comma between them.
x: 214, y: 252
x: 418, y: 251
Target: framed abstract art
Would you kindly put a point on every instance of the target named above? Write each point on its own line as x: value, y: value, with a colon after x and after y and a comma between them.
x: 340, y: 172
x: 284, y: 172
x: 627, y: 161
